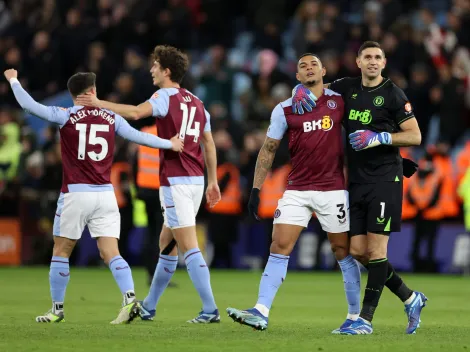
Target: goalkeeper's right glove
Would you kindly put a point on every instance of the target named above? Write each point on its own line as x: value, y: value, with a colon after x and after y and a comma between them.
x: 302, y: 96
x: 409, y: 167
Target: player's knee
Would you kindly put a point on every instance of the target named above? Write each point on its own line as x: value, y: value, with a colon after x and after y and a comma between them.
x: 280, y: 246
x: 168, y: 248
x: 361, y: 256
x: 108, y: 248
x: 377, y: 253
x: 340, y: 250
x: 63, y: 247
x: 108, y: 254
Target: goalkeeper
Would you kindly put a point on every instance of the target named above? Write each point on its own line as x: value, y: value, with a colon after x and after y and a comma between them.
x: 378, y: 120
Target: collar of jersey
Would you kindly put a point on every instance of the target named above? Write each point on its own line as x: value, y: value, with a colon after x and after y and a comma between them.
x: 371, y: 89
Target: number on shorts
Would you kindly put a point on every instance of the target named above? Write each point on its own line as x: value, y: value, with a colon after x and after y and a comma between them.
x: 382, y: 210
x: 93, y: 140
x: 186, y: 125
x: 342, y: 212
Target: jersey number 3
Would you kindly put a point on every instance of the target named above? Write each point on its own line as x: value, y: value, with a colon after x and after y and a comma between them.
x: 187, y: 121
x: 93, y: 140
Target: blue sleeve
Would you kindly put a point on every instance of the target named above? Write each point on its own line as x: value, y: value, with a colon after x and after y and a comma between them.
x: 207, y: 127
x: 278, y: 124
x: 49, y: 113
x: 160, y: 102
x: 125, y: 130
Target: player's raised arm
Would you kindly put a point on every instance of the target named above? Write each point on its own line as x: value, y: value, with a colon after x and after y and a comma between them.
x: 131, y: 112
x: 125, y: 130
x: 49, y: 113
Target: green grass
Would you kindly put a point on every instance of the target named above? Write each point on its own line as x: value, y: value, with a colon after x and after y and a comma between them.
x: 307, y: 308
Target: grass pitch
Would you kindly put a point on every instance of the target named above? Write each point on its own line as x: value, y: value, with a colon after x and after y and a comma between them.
x: 307, y: 307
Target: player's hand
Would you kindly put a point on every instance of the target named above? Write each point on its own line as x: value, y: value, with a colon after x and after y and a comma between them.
x: 302, y: 98
x: 177, y: 144
x: 213, y: 194
x: 253, y: 204
x: 10, y: 73
x: 364, y: 139
x: 409, y: 167
x: 88, y: 99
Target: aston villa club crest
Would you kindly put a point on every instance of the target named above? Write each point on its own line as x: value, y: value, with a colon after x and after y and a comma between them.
x: 331, y: 104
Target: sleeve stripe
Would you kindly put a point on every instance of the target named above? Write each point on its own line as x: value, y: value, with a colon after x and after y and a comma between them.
x: 406, y: 118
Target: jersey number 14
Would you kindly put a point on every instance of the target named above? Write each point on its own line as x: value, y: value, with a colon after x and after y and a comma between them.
x: 93, y: 140
x: 186, y: 128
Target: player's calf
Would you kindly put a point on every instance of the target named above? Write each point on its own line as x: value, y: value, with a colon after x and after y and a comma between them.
x: 122, y: 274
x: 59, y: 277
x: 197, y: 267
x: 351, y: 277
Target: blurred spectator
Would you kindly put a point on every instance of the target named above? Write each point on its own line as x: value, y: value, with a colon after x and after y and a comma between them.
x: 224, y: 217
x: 424, y: 194
x: 44, y: 61
x: 417, y: 92
x: 74, y: 37
x: 10, y: 147
x: 136, y: 65
x: 216, y: 78
x: 448, y: 96
x: 100, y: 63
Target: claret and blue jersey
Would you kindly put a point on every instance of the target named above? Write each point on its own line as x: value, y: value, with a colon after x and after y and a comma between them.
x: 178, y: 111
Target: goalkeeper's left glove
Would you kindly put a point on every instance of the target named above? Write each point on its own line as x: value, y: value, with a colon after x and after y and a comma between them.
x: 364, y: 139
x: 302, y: 96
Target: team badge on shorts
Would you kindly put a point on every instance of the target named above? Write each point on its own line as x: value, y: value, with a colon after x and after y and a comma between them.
x: 277, y: 213
x: 331, y: 104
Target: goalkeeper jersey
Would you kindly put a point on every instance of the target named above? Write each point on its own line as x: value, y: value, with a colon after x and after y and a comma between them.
x: 380, y: 109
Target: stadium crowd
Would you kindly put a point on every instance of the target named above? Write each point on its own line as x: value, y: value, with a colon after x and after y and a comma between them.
x: 243, y: 62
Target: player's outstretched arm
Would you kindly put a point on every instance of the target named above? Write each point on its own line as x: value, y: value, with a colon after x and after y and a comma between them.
x: 125, y: 130
x: 130, y: 112
x: 48, y: 113
x: 210, y: 156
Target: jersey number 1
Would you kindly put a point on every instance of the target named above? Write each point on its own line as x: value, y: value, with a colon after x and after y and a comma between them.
x: 186, y: 125
x: 92, y: 139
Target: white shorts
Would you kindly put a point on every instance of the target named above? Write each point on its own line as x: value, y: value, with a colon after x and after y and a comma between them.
x: 97, y: 210
x: 180, y: 204
x: 331, y: 208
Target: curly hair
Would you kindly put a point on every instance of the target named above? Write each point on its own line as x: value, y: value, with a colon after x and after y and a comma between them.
x: 173, y: 59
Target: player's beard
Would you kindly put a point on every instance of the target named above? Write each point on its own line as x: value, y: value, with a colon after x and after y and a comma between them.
x: 310, y: 83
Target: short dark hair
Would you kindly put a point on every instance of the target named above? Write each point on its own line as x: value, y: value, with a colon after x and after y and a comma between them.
x: 80, y: 82
x: 173, y: 59
x: 369, y: 44
x: 309, y: 54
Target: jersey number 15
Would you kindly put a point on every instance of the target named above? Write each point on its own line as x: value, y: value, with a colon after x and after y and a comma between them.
x: 93, y: 140
x: 186, y: 128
